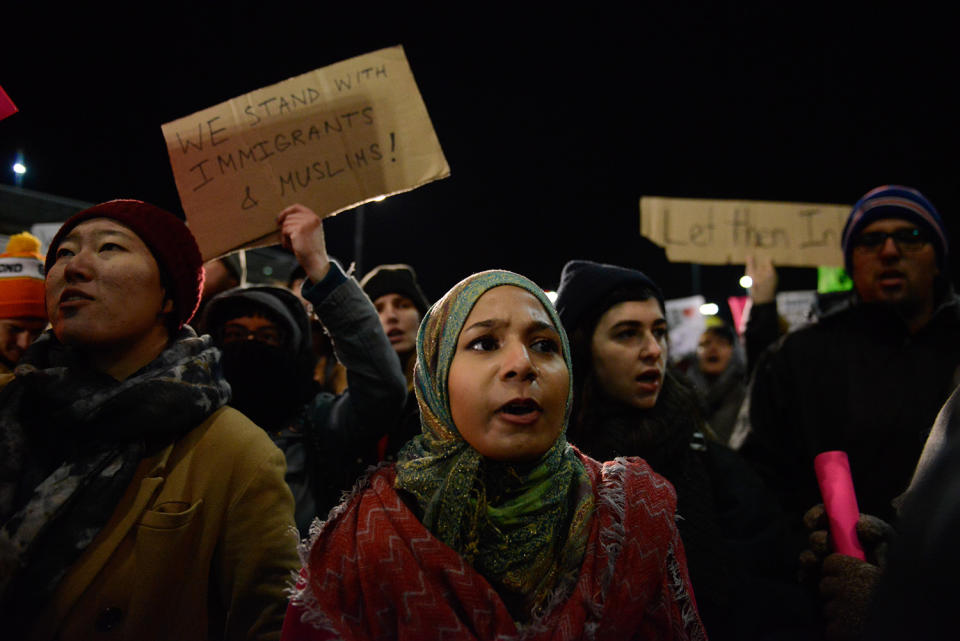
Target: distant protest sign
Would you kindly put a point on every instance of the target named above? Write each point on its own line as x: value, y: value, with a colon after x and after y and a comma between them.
x: 686, y: 324
x: 718, y: 232
x: 331, y: 139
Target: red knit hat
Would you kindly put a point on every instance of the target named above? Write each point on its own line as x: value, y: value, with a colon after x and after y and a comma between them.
x: 167, y: 237
x: 21, y: 278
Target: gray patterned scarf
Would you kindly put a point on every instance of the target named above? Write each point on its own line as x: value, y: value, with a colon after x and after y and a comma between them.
x: 71, y: 439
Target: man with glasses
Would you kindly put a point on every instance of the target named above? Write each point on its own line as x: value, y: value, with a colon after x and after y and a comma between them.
x: 869, y: 376
x: 268, y: 360
x: 897, y: 260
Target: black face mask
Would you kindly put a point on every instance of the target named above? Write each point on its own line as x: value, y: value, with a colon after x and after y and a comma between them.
x: 264, y: 382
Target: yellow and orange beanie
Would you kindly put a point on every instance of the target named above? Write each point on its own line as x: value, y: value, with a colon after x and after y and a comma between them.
x: 21, y: 278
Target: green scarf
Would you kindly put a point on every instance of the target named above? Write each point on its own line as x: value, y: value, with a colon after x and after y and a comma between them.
x: 524, y: 527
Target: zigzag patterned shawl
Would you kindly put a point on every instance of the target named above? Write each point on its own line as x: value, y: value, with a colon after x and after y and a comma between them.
x: 373, y: 571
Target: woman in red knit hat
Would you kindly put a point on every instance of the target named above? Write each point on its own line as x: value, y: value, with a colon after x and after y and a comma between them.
x: 132, y: 499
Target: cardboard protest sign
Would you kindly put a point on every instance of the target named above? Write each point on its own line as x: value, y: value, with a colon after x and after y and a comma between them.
x: 718, y: 232
x: 331, y: 139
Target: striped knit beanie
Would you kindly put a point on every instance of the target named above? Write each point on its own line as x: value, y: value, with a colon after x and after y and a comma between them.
x: 896, y: 201
x: 21, y: 278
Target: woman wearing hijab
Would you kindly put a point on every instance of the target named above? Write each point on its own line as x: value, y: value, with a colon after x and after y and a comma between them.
x: 133, y: 501
x: 490, y: 526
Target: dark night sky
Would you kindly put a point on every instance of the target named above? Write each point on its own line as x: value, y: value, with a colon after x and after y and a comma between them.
x: 554, y: 122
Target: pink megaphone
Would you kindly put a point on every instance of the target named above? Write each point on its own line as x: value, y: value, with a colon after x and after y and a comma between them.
x: 840, y: 501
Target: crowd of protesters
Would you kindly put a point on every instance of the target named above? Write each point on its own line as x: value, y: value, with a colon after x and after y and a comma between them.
x: 186, y: 456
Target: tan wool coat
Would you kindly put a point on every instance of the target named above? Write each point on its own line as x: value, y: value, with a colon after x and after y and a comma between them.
x: 201, y: 546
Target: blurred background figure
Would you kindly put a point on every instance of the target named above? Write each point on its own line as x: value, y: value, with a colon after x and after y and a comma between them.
x: 720, y: 376
x: 401, y: 305
x: 22, y: 313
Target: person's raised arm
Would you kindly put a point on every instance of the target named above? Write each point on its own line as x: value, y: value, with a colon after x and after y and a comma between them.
x: 302, y: 233
x: 763, y: 327
x: 376, y: 388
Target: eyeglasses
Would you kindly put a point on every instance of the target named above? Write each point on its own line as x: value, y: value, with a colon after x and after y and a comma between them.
x: 234, y: 332
x: 906, y: 240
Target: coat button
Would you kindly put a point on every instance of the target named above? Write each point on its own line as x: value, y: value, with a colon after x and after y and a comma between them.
x: 109, y: 619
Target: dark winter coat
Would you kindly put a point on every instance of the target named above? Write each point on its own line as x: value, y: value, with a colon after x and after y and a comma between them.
x: 856, y: 381
x: 730, y: 526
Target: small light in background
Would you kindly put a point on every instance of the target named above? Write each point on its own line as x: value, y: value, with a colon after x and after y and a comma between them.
x: 746, y: 282
x: 552, y: 296
x: 19, y: 169
x: 709, y: 309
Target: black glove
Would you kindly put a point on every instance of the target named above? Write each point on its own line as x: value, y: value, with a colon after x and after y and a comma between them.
x: 847, y: 589
x: 845, y: 584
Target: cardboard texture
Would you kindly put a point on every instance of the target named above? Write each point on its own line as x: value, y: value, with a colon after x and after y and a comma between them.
x: 331, y: 139
x: 719, y: 232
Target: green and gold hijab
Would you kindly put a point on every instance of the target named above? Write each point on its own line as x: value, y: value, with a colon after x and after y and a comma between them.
x: 524, y: 527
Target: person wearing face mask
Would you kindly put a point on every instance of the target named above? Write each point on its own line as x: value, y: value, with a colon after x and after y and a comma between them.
x: 268, y: 360
x: 628, y: 402
x: 490, y: 525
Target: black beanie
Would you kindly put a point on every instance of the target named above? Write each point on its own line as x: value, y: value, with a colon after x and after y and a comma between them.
x: 585, y: 284
x: 395, y: 279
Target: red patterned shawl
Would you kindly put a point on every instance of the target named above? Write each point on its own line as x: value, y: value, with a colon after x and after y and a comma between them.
x: 374, y: 572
